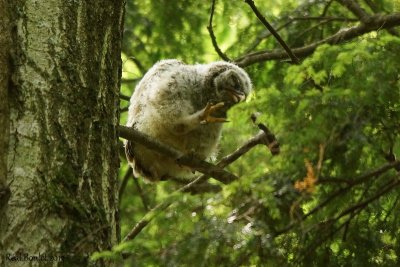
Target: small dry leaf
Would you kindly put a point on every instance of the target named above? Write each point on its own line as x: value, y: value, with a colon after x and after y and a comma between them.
x: 309, y: 182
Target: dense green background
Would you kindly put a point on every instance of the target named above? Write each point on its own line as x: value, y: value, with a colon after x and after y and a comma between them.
x: 338, y: 135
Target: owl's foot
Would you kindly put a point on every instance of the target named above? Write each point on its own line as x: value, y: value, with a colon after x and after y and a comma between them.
x: 206, y: 117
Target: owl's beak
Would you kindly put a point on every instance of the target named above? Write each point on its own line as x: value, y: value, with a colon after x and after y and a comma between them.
x: 237, y: 96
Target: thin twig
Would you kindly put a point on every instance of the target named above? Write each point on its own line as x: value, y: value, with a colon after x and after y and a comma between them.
x: 124, y: 97
x: 127, y: 176
x: 124, y: 109
x: 141, y: 194
x: 124, y: 182
x: 292, y: 56
x: 326, y: 8
x: 130, y: 80
x: 212, y: 35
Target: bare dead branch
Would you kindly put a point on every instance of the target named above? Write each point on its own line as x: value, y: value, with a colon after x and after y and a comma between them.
x: 212, y: 35
x: 273, y: 31
x: 376, y: 22
x: 270, y: 139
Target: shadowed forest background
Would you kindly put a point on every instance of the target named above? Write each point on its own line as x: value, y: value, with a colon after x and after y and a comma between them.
x: 331, y: 196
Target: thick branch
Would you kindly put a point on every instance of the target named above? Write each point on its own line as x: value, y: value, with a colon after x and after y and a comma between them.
x: 376, y: 22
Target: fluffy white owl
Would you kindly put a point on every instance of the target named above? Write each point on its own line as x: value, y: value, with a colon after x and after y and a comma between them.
x: 184, y: 107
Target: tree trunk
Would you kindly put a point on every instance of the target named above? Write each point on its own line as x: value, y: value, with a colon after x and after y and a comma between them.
x: 60, y: 70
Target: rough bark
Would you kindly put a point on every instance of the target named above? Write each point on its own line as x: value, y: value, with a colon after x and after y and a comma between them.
x: 62, y: 156
x: 5, y: 46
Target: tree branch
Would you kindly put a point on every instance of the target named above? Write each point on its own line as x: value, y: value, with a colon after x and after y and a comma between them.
x: 326, y: 8
x: 186, y: 160
x: 212, y: 35
x: 323, y: 18
x: 130, y: 80
x: 124, y: 109
x: 123, y: 184
x: 292, y: 56
x: 124, y: 97
x: 140, y: 191
x: 376, y: 22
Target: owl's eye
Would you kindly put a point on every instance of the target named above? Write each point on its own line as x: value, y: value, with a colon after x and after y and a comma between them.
x: 236, y: 83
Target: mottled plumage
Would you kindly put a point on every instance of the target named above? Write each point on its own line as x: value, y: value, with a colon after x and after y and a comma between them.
x: 182, y: 106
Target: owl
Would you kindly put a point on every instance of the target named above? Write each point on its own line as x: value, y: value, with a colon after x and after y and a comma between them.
x: 183, y: 106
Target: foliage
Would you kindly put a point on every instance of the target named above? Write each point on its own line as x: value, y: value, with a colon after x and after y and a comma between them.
x: 316, y: 203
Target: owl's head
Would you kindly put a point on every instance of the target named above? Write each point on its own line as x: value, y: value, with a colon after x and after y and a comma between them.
x: 231, y: 83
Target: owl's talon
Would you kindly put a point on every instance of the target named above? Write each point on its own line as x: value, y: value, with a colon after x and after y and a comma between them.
x: 210, y: 108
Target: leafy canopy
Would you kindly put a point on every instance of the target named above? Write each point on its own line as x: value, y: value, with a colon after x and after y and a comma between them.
x: 318, y: 202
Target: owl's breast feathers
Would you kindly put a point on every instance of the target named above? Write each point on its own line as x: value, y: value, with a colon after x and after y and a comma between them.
x: 169, y: 105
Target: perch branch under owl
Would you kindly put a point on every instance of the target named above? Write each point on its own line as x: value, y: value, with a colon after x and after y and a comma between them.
x: 186, y: 160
